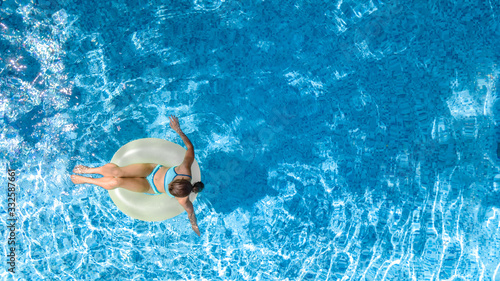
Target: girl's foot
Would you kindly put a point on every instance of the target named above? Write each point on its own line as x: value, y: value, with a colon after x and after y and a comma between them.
x: 78, y: 179
x: 80, y: 169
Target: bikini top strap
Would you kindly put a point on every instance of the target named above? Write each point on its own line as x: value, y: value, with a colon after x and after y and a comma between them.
x: 180, y: 174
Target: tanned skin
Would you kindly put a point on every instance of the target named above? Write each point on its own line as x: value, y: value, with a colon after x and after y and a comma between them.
x: 185, y: 168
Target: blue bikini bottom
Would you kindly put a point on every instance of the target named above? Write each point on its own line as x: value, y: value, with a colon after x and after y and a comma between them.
x: 150, y: 179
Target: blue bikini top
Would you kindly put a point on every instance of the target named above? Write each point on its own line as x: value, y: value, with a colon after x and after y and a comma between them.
x: 169, y: 177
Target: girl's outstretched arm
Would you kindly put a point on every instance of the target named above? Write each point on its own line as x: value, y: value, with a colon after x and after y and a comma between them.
x: 188, y: 206
x: 189, y: 157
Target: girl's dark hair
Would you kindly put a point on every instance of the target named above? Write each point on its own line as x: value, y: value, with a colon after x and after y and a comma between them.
x: 198, y: 186
x: 182, y: 188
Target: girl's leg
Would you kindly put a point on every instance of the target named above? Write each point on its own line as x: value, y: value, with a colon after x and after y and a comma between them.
x: 132, y: 184
x: 111, y: 170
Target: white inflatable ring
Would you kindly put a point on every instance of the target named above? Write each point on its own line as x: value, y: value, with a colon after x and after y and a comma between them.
x: 150, y: 207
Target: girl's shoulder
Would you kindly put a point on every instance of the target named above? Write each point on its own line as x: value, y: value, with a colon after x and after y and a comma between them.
x: 181, y: 169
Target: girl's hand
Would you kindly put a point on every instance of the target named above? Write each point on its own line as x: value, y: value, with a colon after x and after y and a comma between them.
x: 196, y: 230
x: 174, y: 123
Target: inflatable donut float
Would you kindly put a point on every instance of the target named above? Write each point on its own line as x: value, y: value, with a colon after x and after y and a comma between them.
x: 143, y: 206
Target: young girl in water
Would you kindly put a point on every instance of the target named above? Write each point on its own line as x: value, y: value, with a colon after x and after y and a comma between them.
x: 150, y: 178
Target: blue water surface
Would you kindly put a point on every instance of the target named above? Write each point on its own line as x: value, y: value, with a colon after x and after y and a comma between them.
x: 338, y: 140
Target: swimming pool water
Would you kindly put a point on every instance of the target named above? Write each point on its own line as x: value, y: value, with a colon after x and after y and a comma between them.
x: 338, y: 140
